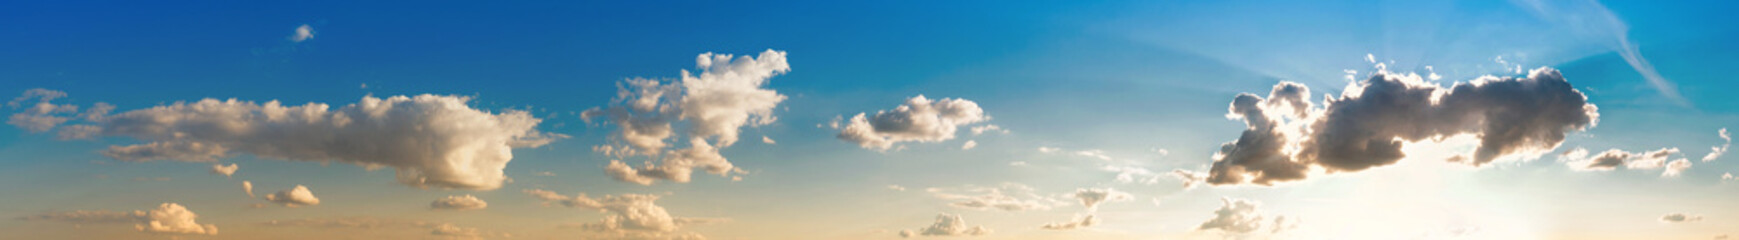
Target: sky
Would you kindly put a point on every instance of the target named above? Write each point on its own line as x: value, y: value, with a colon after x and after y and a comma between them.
x: 1526, y: 119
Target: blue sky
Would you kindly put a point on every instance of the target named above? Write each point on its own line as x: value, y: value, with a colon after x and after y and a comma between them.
x: 1119, y: 79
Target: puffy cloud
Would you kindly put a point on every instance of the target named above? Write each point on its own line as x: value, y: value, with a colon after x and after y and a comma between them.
x: 249, y: 188
x: 1008, y: 197
x: 727, y: 95
x: 372, y: 223
x: 969, y: 145
x: 168, y: 218
x: 303, y: 33
x: 430, y: 140
x: 1239, y: 216
x: 1189, y: 178
x: 1680, y: 218
x: 947, y: 225
x: 1717, y: 151
x: 41, y: 115
x: 632, y: 213
x: 1580, y: 160
x: 768, y: 140
x: 1676, y: 167
x: 466, y: 202
x: 294, y: 197
x: 1287, y: 138
x: 1092, y: 197
x: 1079, y: 222
x: 918, y: 120
x: 225, y: 170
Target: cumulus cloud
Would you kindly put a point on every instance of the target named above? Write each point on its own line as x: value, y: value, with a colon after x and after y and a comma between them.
x: 1079, y: 222
x: 947, y: 225
x: 768, y: 140
x: 249, y: 188
x: 969, y: 145
x: 1579, y: 159
x: 466, y: 202
x: 1092, y: 197
x: 1008, y: 197
x: 1680, y: 218
x: 170, y: 218
x: 294, y: 197
x: 918, y: 120
x: 1239, y: 216
x: 1287, y: 137
x: 1717, y: 151
x: 430, y: 140
x: 626, y: 213
x: 303, y: 33
x: 225, y: 170
x: 726, y: 96
x: 39, y: 113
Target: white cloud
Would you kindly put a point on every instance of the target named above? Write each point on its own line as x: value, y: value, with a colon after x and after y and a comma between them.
x: 41, y: 115
x: 1008, y: 197
x: 168, y: 218
x: 918, y: 120
x: 768, y: 140
x: 947, y: 225
x: 626, y: 213
x: 991, y: 128
x: 1239, y: 216
x: 896, y: 188
x: 1287, y: 137
x: 969, y: 145
x: 431, y: 140
x: 456, y: 202
x: 1092, y: 197
x: 303, y: 33
x: 294, y: 197
x: 727, y: 95
x: 1680, y: 218
x: 1049, y: 149
x: 1717, y: 151
x: 1580, y: 160
x: 249, y: 188
x: 225, y: 170
x: 1079, y: 222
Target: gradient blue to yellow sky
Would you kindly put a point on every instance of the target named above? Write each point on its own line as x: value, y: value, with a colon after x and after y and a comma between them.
x: 1526, y: 119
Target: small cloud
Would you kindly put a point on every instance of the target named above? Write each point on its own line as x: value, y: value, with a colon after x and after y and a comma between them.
x: 544, y: 174
x: 947, y: 225
x: 768, y: 140
x: 303, y: 33
x: 465, y: 202
x: 294, y: 197
x: 896, y: 188
x: 225, y: 170
x: 1680, y: 218
x: 969, y: 145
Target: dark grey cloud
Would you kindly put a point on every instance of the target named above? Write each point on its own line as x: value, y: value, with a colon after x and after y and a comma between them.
x: 1288, y: 138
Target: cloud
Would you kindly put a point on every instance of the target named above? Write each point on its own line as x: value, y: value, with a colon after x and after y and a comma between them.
x: 1079, y: 222
x: 294, y: 197
x: 1008, y: 197
x: 1592, y: 19
x: 896, y: 188
x: 466, y: 202
x: 41, y: 115
x: 1239, y: 216
x: 1579, y: 159
x: 768, y: 140
x: 373, y: 223
x: 947, y: 225
x: 969, y: 145
x: 225, y: 170
x: 1679, y: 218
x: 303, y: 33
x: 727, y: 95
x: 918, y: 120
x: 1716, y: 152
x: 1092, y: 197
x: 170, y: 218
x: 430, y: 140
x: 631, y: 213
x: 249, y: 188
x: 1287, y: 138
x: 990, y: 128
x: 1189, y: 178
